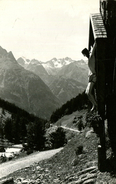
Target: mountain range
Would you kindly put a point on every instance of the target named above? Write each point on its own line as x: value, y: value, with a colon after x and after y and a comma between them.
x: 24, y: 88
x: 40, y: 87
x: 65, y: 77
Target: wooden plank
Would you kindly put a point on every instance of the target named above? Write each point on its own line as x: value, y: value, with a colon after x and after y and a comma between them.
x: 98, y: 33
x: 98, y: 26
x: 100, y: 70
x: 100, y: 89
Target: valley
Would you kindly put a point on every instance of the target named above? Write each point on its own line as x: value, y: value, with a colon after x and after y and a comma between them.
x: 40, y: 87
x: 65, y: 77
x: 24, y: 88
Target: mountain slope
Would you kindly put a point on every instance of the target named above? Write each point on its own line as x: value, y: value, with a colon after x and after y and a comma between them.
x: 66, y: 166
x: 66, y: 89
x: 54, y: 65
x: 76, y: 70
x: 65, y: 77
x: 24, y: 88
x: 23, y: 61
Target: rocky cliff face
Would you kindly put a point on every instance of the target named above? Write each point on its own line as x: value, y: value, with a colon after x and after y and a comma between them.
x: 24, y: 88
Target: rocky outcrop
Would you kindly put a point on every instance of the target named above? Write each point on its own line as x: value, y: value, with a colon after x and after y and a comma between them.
x: 86, y: 176
x: 40, y: 175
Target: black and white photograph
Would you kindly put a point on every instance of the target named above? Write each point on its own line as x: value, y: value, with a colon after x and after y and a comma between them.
x: 57, y: 91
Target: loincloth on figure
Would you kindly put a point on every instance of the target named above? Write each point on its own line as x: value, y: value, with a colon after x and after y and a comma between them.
x: 92, y: 78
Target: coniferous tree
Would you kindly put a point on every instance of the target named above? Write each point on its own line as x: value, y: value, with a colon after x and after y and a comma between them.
x: 77, y: 103
x: 8, y: 129
x: 35, y: 135
x: 57, y: 138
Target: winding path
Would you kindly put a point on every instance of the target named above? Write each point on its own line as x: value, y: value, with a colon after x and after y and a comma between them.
x: 71, y: 129
x: 12, y: 166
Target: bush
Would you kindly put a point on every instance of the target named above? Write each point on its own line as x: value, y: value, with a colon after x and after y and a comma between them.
x: 80, y: 125
x: 29, y: 151
x: 56, y: 138
x: 2, y: 149
x: 79, y: 150
x: 94, y: 120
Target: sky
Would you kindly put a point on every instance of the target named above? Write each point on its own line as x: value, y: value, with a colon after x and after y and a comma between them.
x: 44, y: 29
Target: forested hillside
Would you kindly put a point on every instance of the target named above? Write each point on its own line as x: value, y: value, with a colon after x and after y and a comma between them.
x: 18, y: 126
x: 78, y: 103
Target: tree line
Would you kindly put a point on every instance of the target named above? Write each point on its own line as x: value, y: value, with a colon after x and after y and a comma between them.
x: 22, y: 127
x: 77, y: 103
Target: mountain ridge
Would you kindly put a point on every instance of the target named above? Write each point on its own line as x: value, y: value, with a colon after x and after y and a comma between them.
x: 59, y: 71
x: 24, y: 88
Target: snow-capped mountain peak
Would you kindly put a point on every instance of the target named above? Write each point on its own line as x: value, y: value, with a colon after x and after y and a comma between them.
x: 27, y: 61
x: 58, y: 63
x: 52, y: 66
x: 65, y: 77
x: 36, y: 62
x: 23, y: 61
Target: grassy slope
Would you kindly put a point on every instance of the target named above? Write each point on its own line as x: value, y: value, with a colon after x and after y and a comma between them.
x: 67, y: 164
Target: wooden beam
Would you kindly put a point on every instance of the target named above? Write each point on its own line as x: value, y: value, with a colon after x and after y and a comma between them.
x: 98, y: 34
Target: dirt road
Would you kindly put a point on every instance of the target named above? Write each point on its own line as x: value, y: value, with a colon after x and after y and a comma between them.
x: 71, y: 129
x: 12, y: 166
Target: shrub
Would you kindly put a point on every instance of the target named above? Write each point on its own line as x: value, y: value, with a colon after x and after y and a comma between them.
x: 94, y: 120
x: 56, y: 138
x: 79, y: 150
x: 29, y: 151
x: 2, y: 149
x: 80, y: 125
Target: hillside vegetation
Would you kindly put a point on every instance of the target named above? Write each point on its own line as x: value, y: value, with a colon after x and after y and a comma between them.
x: 78, y: 103
x: 76, y: 163
x: 18, y: 126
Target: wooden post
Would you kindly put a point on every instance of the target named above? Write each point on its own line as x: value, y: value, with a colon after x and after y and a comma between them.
x: 103, y: 31
x: 100, y: 70
x: 97, y: 33
x: 100, y: 89
x: 111, y: 104
x: 108, y: 13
